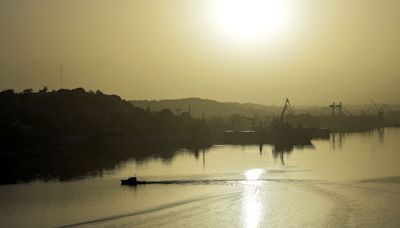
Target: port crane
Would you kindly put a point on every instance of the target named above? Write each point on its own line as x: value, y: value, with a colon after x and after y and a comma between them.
x: 338, y: 107
x: 379, y: 109
x: 285, y: 107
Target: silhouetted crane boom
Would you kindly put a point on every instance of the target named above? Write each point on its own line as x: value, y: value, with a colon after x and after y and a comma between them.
x: 287, y: 104
x: 379, y: 110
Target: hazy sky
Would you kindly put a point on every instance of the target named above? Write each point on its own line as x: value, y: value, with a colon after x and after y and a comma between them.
x: 312, y: 51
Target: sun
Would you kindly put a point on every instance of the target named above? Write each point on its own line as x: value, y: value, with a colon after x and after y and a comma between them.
x: 251, y: 21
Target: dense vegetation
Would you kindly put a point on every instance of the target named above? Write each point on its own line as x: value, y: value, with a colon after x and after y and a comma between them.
x: 75, y: 117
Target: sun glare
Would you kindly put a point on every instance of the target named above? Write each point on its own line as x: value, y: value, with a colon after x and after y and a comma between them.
x: 251, y: 20
x: 253, y: 174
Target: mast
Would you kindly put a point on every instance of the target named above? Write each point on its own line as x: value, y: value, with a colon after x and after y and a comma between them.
x: 61, y: 75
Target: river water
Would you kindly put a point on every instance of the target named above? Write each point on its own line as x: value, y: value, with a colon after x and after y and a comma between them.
x: 350, y: 180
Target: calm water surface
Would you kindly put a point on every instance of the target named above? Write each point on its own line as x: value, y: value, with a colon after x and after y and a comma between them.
x: 351, y: 180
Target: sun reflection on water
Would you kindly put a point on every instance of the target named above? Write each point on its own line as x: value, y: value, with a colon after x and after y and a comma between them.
x: 253, y: 174
x: 252, y: 204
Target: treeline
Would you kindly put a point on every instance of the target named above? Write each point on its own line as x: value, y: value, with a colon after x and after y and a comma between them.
x: 74, y: 117
x: 209, y: 108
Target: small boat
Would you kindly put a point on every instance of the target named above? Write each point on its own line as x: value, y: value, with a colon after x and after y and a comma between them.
x: 132, y: 181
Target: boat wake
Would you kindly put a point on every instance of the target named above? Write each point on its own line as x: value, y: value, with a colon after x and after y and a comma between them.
x: 336, y: 204
x: 150, y: 210
x: 224, y: 181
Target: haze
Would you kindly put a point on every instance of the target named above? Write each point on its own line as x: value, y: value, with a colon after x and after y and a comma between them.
x: 146, y: 49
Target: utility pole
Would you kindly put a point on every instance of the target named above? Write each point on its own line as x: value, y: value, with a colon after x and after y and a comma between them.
x: 61, y: 75
x: 332, y: 107
x: 339, y: 106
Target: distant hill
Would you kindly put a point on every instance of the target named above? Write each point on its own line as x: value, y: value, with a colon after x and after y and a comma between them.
x: 210, y: 108
x: 215, y: 108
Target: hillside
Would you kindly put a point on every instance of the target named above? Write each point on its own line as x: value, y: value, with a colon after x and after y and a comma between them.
x: 210, y: 108
x: 76, y: 117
